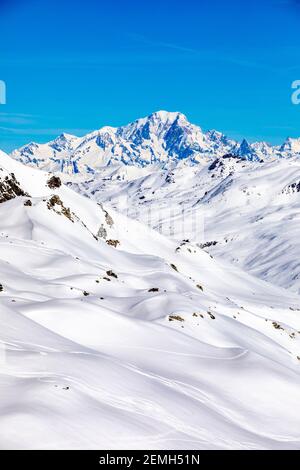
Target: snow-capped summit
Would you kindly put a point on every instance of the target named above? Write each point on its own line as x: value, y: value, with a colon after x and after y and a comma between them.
x: 158, y: 138
x: 290, y: 147
x: 64, y: 142
x: 246, y: 151
x: 263, y: 150
x: 161, y: 138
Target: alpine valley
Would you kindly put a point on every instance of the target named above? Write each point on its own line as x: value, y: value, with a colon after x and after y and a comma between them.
x: 149, y: 291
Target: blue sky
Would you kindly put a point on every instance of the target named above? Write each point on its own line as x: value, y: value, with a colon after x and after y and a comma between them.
x: 76, y: 66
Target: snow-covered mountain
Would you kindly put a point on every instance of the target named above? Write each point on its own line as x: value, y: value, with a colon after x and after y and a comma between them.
x: 112, y: 329
x: 243, y: 211
x: 162, y: 137
x: 290, y: 148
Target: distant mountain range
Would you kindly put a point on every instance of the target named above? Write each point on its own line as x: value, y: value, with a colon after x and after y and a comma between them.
x: 162, y: 137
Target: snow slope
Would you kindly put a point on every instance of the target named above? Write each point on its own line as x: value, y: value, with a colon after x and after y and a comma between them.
x: 114, y: 336
x: 243, y: 211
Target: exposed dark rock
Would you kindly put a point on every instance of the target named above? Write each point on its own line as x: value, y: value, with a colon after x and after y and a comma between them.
x: 108, y: 218
x: 102, y: 232
x: 277, y: 326
x: 113, y: 243
x: 110, y: 273
x: 176, y: 318
x: 56, y: 201
x: 54, y: 182
x: 208, y: 244
x: 216, y: 163
x: 10, y: 188
x: 292, y: 188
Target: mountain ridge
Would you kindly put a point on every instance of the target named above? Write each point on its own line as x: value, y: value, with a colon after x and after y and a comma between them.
x: 162, y: 137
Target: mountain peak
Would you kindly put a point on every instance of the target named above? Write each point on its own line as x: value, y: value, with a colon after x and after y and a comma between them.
x: 168, y: 116
x: 245, y: 148
x: 64, y: 137
x: 291, y: 145
x: 63, y: 142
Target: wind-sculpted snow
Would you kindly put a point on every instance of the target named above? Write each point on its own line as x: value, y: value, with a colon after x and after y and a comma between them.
x: 150, y: 343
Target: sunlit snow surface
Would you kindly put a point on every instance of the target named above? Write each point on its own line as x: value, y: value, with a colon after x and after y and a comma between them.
x: 247, y: 212
x: 148, y: 344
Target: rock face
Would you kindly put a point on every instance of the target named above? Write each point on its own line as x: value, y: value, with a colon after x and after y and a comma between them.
x: 54, y: 182
x: 10, y: 187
